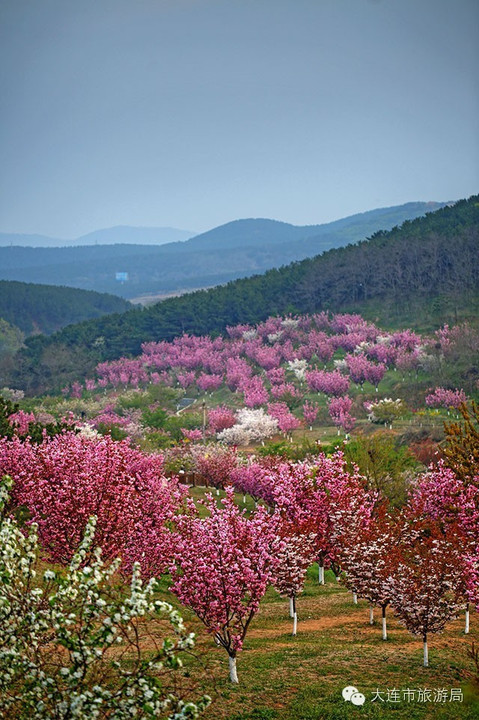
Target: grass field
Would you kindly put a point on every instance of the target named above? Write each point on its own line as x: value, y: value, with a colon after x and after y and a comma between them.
x: 301, y: 678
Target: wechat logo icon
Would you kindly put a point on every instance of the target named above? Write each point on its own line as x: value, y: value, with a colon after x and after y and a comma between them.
x: 352, y: 694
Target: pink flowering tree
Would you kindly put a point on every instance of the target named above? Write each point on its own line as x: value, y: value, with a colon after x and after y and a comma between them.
x: 369, y: 559
x: 67, y: 479
x: 20, y: 421
x: 254, y: 391
x: 361, y: 370
x: 194, y: 435
x: 287, y: 422
x: 186, y: 379
x: 238, y: 371
x: 222, y: 567
x: 295, y: 556
x: 214, y: 463
x: 208, y: 383
x: 330, y: 383
x: 325, y: 498
x: 440, y: 495
x: 310, y: 413
x: 220, y: 418
x: 442, y: 397
x: 430, y: 570
x: 339, y: 412
x: 257, y: 478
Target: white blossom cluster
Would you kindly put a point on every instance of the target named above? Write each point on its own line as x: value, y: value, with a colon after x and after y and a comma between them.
x: 274, y: 337
x: 11, y: 394
x: 385, y: 410
x: 253, y: 425
x: 63, y: 636
x: 88, y: 431
x: 298, y: 367
x: 341, y: 365
x: 290, y: 323
x: 360, y: 349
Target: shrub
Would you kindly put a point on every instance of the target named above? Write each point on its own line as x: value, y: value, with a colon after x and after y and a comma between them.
x: 73, y: 647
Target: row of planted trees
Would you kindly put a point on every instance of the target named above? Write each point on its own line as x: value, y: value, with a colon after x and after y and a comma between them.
x: 423, y: 560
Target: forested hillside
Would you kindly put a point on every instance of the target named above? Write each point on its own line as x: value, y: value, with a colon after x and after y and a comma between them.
x: 426, y: 272
x: 46, y: 308
x: 234, y: 250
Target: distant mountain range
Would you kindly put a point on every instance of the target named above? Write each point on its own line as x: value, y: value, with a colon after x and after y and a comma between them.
x: 421, y: 275
x: 108, y: 261
x: 123, y: 234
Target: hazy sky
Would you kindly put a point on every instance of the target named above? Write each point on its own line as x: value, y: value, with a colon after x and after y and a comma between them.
x: 191, y: 113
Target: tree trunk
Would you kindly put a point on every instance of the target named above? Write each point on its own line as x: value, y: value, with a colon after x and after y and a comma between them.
x: 233, y: 673
x: 371, y: 615
x: 321, y: 574
x: 355, y: 597
x: 426, y: 653
x: 291, y: 607
x: 295, y: 617
x: 466, y: 628
x: 385, y: 633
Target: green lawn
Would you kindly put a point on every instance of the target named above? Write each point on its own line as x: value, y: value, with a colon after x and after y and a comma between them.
x: 302, y: 678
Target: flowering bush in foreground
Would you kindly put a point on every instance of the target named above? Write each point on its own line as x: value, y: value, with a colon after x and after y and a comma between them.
x: 70, y: 647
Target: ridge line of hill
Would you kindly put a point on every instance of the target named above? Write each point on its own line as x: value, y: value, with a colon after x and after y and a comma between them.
x: 427, y: 269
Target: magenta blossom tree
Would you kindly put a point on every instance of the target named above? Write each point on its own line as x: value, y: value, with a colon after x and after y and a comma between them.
x: 223, y: 565
x: 339, y: 412
x: 66, y: 479
x: 442, y: 397
x: 310, y: 413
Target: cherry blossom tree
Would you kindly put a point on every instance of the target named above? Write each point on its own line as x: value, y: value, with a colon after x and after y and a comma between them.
x: 222, y: 567
x: 257, y: 478
x: 254, y: 391
x: 339, y: 408
x: 447, y: 499
x: 208, y: 383
x: 442, y: 397
x: 361, y: 370
x: 287, y: 422
x: 330, y: 383
x: 214, y: 463
x: 253, y: 425
x: 66, y: 479
x: 325, y: 498
x: 295, y: 556
x: 220, y: 418
x: 424, y: 589
x: 369, y: 559
x: 310, y: 413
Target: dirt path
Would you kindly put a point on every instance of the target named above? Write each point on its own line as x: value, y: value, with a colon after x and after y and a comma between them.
x: 310, y: 624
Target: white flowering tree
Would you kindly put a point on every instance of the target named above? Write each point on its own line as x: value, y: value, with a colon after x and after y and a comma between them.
x: 71, y: 646
x: 252, y: 425
x: 385, y: 411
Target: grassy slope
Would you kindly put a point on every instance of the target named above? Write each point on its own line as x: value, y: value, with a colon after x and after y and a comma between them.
x: 301, y: 678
